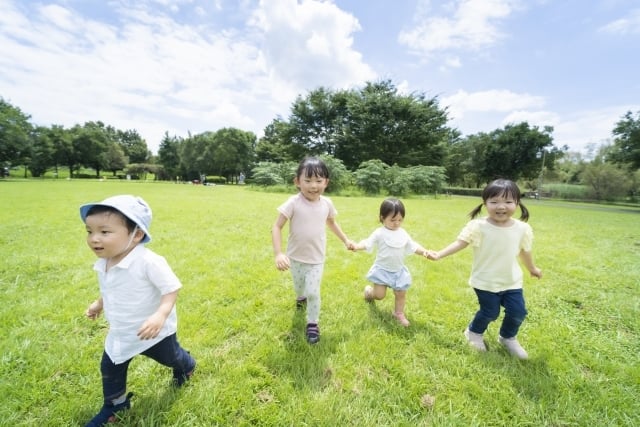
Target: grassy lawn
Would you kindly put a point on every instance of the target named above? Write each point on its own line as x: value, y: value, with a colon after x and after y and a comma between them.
x: 237, y: 317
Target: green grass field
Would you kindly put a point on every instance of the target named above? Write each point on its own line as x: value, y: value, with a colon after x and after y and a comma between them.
x: 237, y: 318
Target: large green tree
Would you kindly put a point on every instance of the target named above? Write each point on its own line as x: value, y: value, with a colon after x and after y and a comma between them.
x: 169, y: 156
x: 232, y: 152
x: 42, y: 151
x: 91, y: 141
x: 401, y: 129
x: 133, y: 146
x: 627, y: 141
x: 374, y: 122
x: 64, y: 152
x: 274, y: 146
x: 517, y: 151
x: 15, y: 134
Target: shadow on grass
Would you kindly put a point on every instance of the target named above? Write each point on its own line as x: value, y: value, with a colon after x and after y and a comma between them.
x: 530, y: 378
x: 305, y: 364
x: 143, y: 407
x: 418, y: 326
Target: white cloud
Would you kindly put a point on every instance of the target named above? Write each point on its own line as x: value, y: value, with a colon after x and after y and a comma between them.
x: 626, y: 25
x: 490, y: 101
x: 472, y: 26
x: 144, y: 70
x: 581, y: 128
x: 309, y: 44
x: 489, y: 110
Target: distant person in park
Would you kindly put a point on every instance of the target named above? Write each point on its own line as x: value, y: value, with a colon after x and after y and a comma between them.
x: 309, y: 214
x: 138, y: 292
x: 498, y: 241
x: 393, y: 244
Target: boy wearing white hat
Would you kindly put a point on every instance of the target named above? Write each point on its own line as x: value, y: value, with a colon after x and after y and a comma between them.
x: 138, y: 292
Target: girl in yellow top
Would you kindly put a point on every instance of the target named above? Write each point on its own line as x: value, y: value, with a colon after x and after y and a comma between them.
x: 498, y: 241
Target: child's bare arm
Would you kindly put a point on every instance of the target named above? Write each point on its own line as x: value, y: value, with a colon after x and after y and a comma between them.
x: 454, y: 247
x: 527, y: 260
x: 335, y: 228
x: 281, y: 259
x: 152, y: 326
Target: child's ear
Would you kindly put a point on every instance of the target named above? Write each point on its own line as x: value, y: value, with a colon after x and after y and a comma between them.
x: 138, y: 236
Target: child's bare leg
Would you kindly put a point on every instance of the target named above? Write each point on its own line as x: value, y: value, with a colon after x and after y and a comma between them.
x: 375, y: 292
x: 401, y: 297
x: 379, y: 291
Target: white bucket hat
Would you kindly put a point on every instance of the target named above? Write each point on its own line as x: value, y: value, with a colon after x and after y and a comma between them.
x: 133, y: 207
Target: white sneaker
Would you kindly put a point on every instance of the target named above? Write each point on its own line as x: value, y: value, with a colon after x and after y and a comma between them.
x: 475, y: 340
x: 513, y: 346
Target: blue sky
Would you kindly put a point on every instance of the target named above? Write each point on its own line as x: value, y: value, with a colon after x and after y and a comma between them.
x: 188, y: 66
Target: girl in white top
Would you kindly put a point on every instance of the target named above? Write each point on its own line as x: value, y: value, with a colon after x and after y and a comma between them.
x: 393, y: 244
x: 308, y: 213
x: 498, y: 241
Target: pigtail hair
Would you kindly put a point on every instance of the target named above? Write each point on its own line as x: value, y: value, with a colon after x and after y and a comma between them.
x: 524, y: 217
x: 474, y: 213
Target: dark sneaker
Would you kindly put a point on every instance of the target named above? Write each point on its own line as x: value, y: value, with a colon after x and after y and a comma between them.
x: 180, y: 378
x: 313, y: 333
x: 301, y: 303
x: 108, y: 413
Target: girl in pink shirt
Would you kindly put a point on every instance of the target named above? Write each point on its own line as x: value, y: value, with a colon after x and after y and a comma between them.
x: 308, y: 213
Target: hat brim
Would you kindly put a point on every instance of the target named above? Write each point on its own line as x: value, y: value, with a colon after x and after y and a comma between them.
x: 84, y: 210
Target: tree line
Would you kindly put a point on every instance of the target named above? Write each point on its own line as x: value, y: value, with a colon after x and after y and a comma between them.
x: 374, y: 123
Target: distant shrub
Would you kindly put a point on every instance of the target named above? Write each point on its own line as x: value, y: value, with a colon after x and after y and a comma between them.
x: 476, y: 192
x: 215, y: 179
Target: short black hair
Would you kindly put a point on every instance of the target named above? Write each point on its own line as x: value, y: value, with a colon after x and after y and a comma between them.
x: 312, y: 166
x: 98, y: 209
x: 391, y: 207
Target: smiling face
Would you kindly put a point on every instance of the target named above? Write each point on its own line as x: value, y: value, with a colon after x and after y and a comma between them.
x: 108, y: 236
x: 500, y: 209
x: 311, y: 187
x: 393, y: 222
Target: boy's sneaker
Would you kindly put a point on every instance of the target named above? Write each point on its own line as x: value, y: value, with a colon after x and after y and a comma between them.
x: 108, y: 413
x: 368, y: 293
x: 301, y: 303
x: 180, y: 378
x: 313, y: 333
x: 475, y: 340
x: 513, y: 346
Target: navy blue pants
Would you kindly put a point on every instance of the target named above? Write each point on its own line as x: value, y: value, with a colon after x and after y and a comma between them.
x: 167, y: 352
x: 490, y: 303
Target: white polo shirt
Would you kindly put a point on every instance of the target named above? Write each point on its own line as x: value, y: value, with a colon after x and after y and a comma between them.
x: 131, y: 292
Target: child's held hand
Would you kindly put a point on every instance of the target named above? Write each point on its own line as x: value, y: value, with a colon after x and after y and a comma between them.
x: 351, y: 245
x: 151, y: 327
x: 432, y: 255
x: 94, y: 310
